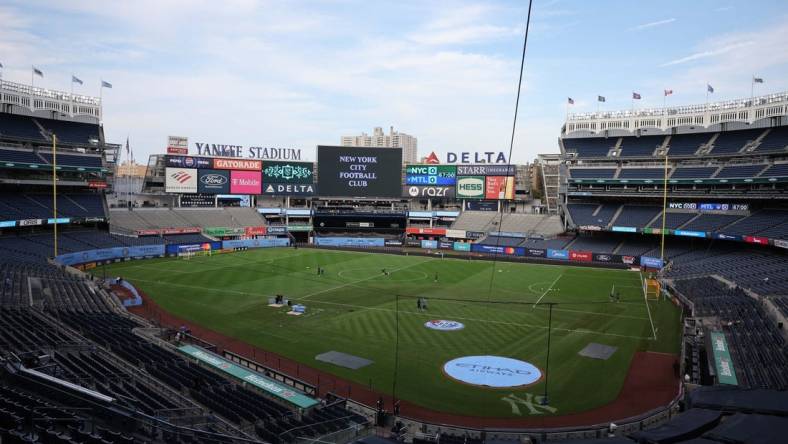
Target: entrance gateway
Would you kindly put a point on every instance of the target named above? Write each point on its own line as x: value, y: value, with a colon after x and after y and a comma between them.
x: 492, y: 371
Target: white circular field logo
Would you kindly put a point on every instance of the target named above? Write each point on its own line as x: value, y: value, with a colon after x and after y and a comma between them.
x: 444, y: 325
x: 492, y: 371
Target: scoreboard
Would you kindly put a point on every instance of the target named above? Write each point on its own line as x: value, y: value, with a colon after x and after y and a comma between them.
x: 442, y: 175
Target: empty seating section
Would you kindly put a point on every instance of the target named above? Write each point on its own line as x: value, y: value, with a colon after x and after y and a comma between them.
x: 592, y: 173
x: 502, y: 241
x: 156, y: 218
x: 759, y: 270
x: 19, y: 127
x: 587, y: 214
x: 185, y: 238
x: 640, y: 146
x: 776, y: 170
x: 673, y: 220
x: 636, y: 215
x: 686, y: 144
x: 531, y: 223
x: 637, y: 246
x: 19, y: 156
x: 590, y: 147
x: 740, y: 171
x: 756, y: 344
x: 474, y: 220
x: 711, y: 222
x: 693, y: 172
x: 558, y: 243
x: 642, y: 173
x: 775, y: 140
x: 71, y: 160
x: 757, y: 222
x: 597, y: 244
x: 729, y: 142
x: 71, y: 132
x: 15, y: 206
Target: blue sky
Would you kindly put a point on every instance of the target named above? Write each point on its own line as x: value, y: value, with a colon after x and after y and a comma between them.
x: 302, y: 73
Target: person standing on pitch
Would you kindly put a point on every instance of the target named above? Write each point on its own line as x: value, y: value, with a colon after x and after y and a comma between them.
x: 436, y: 277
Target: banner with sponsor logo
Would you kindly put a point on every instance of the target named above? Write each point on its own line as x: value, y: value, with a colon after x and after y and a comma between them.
x: 455, y: 234
x: 410, y: 242
x: 255, y: 231
x: 188, y: 162
x: 59, y: 220
x: 213, y: 181
x: 295, y: 228
x: 147, y: 232
x: 481, y: 205
x: 650, y: 262
x: 180, y: 180
x: 461, y: 246
x: 689, y: 233
x: 508, y: 234
x: 558, y: 254
x: 288, y: 172
x: 185, y: 230
x: 629, y: 260
x: 350, y: 241
x: 723, y: 236
x: 428, y: 191
x: 493, y: 249
x: 224, y: 231
x: 470, y: 187
x: 445, y: 175
x: 256, y: 243
x: 535, y: 252
x: 474, y: 234
x: 780, y: 243
x: 756, y: 240
x: 624, y: 229
x: 429, y: 244
x: 7, y: 223
x: 499, y: 187
x: 289, y: 189
x: 97, y: 184
x: 220, y: 163
x: 105, y: 254
x: 602, y: 257
x: 177, y: 145
x: 246, y: 182
x: 581, y: 256
x: 30, y: 222
x: 426, y: 230
x: 277, y: 229
x: 590, y: 228
x: 722, y: 359
x: 445, y: 245
x: 486, y: 170
x: 393, y: 243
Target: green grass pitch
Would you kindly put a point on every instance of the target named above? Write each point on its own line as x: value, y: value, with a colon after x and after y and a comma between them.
x: 351, y: 309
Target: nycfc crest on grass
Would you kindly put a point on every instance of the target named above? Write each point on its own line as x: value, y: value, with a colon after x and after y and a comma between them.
x: 444, y: 325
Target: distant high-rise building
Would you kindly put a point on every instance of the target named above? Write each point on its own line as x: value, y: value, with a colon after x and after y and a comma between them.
x: 394, y: 139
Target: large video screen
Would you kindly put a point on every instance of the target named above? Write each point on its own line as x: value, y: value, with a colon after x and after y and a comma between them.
x: 359, y: 172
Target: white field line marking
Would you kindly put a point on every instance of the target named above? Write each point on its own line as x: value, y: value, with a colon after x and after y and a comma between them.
x: 548, y: 290
x: 429, y: 315
x: 358, y: 281
x: 648, y: 310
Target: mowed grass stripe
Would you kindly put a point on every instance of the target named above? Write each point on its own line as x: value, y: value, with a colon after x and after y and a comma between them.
x: 354, y: 313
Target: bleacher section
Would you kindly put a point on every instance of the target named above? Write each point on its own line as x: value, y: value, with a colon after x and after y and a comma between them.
x: 776, y: 170
x: 592, y: 173
x: 642, y: 173
x: 644, y: 146
x: 775, y: 140
x: 15, y: 206
x: 693, y: 172
x: 740, y: 171
x: 38, y: 129
x: 475, y: 220
x: 710, y: 222
x: 596, y: 244
x: 590, y: 147
x: 687, y: 144
x: 155, y: 218
x: 729, y: 142
x: 636, y: 215
x: 14, y: 126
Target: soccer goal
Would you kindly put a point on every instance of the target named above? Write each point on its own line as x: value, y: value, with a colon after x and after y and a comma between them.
x: 651, y: 288
x: 188, y: 252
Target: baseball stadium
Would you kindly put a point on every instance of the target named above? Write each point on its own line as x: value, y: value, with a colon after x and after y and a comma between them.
x: 629, y: 286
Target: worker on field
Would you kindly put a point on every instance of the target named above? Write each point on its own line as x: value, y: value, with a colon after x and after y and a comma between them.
x: 418, y: 303
x: 436, y: 277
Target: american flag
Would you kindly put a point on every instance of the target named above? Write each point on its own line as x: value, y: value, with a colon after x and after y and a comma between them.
x: 757, y: 80
x: 636, y: 96
x: 570, y: 101
x: 600, y: 98
x: 668, y: 92
x: 709, y: 88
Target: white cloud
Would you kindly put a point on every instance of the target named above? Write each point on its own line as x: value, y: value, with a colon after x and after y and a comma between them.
x: 708, y: 53
x: 652, y: 24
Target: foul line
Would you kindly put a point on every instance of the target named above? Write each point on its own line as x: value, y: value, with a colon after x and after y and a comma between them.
x: 548, y: 290
x: 648, y: 310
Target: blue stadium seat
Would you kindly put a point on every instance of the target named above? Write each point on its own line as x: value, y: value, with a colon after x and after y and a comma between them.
x: 643, y: 146
x: 740, y: 171
x: 642, y: 173
x: 693, y: 172
x: 687, y: 144
x: 729, y: 142
x: 590, y: 147
x: 592, y: 173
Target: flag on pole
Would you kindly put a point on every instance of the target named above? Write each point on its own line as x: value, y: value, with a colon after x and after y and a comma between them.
x: 1, y: 65
x: 570, y: 100
x: 636, y: 96
x: 754, y: 79
x: 106, y: 84
x: 600, y: 98
x: 668, y: 92
x: 38, y: 72
x: 127, y: 147
x: 709, y: 88
x: 74, y: 79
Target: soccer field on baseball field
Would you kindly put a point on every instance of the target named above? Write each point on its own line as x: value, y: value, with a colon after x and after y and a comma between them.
x: 355, y: 308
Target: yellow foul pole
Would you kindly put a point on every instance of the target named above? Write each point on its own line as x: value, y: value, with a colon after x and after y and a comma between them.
x: 664, y: 210
x: 54, y: 186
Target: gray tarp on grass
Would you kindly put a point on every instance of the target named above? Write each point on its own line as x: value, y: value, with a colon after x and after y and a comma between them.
x: 343, y: 360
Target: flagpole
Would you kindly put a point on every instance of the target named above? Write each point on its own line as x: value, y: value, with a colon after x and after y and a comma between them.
x: 752, y: 87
